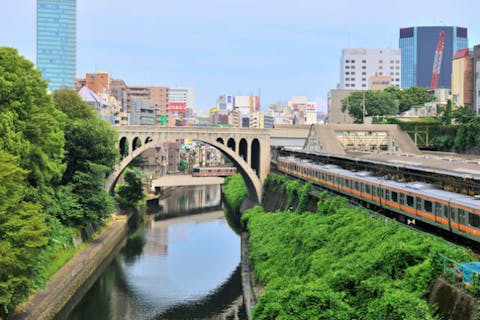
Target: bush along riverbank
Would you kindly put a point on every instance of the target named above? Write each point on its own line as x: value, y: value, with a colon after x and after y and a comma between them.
x: 339, y: 261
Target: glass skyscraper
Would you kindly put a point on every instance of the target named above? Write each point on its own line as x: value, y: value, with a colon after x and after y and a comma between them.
x: 418, y: 45
x: 56, y: 42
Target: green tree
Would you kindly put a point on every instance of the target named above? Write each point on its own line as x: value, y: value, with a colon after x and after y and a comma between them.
x: 32, y: 126
x: 90, y: 157
x: 131, y: 193
x: 377, y: 103
x: 414, y: 96
x: 23, y: 232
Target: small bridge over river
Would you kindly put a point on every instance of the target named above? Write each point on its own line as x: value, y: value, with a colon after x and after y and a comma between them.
x: 248, y: 149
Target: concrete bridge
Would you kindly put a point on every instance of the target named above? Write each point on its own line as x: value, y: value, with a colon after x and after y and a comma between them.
x: 248, y: 149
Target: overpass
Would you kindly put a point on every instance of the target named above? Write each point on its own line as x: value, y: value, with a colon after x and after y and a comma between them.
x: 248, y: 149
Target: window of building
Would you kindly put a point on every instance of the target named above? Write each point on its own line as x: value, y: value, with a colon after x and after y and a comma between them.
x: 353, y: 79
x: 347, y: 61
x: 353, y: 67
x: 364, y: 74
x: 353, y: 84
x: 397, y: 79
x: 364, y: 79
x: 364, y: 85
x: 391, y: 61
x: 352, y: 73
x: 364, y: 67
x: 364, y: 61
x: 397, y: 61
x: 347, y: 85
x: 380, y: 61
x: 391, y: 73
x: 346, y: 79
x: 347, y: 67
x: 391, y: 68
x: 353, y: 61
x: 380, y: 67
x: 397, y: 67
x: 380, y: 73
x: 347, y: 73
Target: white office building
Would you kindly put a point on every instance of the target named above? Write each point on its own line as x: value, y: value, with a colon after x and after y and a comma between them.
x: 359, y: 65
x: 183, y: 95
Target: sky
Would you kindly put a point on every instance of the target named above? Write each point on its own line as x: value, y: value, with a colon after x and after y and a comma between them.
x: 279, y: 48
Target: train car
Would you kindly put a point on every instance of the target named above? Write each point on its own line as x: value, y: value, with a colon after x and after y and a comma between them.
x: 223, y: 171
x: 456, y: 213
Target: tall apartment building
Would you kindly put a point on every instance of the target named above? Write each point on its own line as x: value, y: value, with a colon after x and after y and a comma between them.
x: 418, y: 45
x: 56, y: 42
x: 476, y: 79
x: 462, y: 78
x: 359, y: 65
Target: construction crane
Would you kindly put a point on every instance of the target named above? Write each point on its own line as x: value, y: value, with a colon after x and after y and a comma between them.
x: 437, y: 60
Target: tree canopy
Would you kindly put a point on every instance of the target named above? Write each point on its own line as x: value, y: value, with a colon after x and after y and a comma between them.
x: 377, y: 103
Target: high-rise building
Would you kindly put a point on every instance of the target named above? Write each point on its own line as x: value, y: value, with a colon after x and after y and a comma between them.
x: 359, y: 65
x: 476, y: 79
x: 56, y: 42
x: 462, y: 78
x: 418, y: 45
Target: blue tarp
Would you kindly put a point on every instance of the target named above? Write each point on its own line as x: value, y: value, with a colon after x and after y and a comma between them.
x: 467, y: 269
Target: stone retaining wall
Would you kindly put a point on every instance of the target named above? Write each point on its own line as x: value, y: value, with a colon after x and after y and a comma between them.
x: 77, y: 275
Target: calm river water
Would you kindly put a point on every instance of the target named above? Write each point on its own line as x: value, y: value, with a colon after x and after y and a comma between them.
x: 179, y: 268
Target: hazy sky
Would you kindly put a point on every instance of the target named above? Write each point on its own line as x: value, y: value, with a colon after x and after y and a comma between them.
x: 281, y: 47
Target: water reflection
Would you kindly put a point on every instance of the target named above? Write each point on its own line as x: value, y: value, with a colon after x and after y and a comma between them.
x: 186, y: 199
x: 181, y: 268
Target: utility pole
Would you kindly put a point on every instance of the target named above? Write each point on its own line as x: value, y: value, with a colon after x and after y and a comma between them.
x: 363, y: 108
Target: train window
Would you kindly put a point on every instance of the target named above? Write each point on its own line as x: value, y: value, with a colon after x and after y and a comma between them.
x: 368, y: 189
x: 461, y: 216
x: 445, y: 211
x: 474, y: 220
x: 394, y: 196
x: 427, y: 205
x: 347, y: 183
x: 357, y: 185
x: 409, y: 201
x: 419, y: 203
x: 438, y: 208
x: 402, y: 198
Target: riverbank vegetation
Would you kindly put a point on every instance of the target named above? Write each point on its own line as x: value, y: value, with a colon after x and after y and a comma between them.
x: 55, y: 153
x: 340, y: 261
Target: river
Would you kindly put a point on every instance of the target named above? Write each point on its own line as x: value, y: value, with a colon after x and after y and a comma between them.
x: 186, y: 267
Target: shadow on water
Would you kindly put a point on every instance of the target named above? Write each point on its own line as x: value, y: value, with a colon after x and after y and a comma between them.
x: 212, y: 305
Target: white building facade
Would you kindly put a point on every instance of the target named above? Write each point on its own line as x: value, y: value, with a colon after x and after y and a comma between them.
x: 357, y: 66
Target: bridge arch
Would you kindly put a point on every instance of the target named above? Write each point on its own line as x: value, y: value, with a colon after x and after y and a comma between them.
x: 231, y: 144
x: 252, y: 181
x: 123, y: 146
x: 136, y: 143
x: 243, y: 149
x: 255, y: 156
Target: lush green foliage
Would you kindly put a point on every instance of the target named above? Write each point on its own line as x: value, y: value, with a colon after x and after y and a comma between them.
x: 23, y: 233
x: 343, y: 262
x: 131, y: 193
x: 384, y: 103
x: 410, y: 97
x: 90, y: 156
x: 54, y: 157
x: 235, y: 191
x: 377, y: 103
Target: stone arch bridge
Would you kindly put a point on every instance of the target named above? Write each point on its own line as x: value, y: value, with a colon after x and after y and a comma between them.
x: 248, y: 149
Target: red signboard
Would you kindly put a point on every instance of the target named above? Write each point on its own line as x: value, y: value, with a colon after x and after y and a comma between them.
x: 179, y: 107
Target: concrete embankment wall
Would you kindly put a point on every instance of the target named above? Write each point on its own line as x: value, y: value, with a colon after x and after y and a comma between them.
x: 75, y: 277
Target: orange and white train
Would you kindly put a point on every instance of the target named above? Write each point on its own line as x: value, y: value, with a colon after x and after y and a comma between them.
x: 456, y: 213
